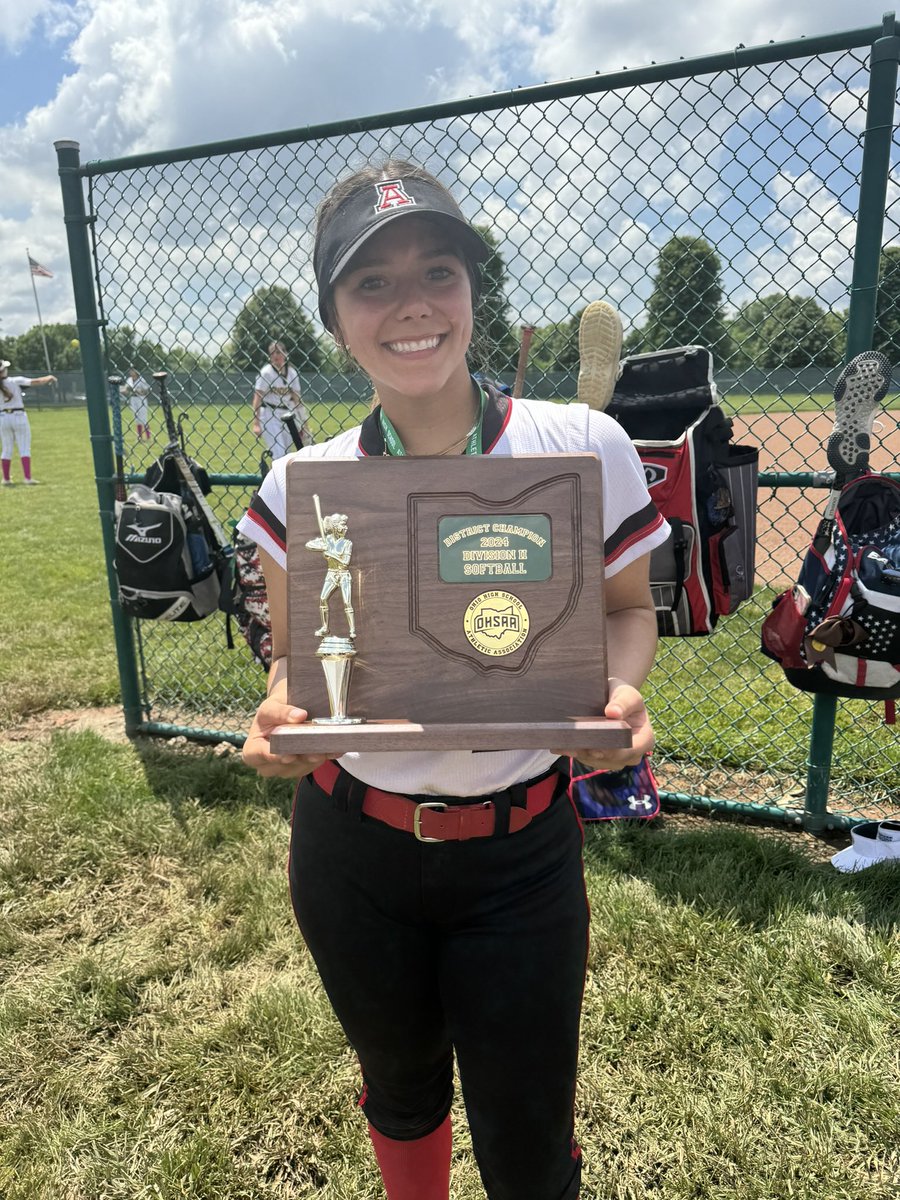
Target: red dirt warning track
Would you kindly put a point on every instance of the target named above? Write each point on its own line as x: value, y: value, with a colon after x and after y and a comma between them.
x: 787, y: 517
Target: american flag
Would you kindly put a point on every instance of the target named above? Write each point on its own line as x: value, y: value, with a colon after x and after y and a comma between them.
x: 37, y: 269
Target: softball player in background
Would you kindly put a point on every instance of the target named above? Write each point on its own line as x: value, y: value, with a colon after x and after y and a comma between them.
x: 475, y: 944
x: 277, y: 389
x: 135, y: 392
x: 14, y: 427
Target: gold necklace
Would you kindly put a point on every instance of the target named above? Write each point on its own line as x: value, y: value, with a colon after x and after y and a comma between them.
x: 465, y: 437
x: 454, y: 444
x: 459, y: 442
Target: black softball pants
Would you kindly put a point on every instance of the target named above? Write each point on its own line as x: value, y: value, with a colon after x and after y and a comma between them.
x: 478, y: 947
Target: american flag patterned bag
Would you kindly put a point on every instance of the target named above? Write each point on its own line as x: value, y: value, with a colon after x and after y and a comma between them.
x: 838, y: 629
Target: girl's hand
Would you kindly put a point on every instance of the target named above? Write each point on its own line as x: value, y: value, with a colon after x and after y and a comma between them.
x: 257, y: 754
x: 625, y: 704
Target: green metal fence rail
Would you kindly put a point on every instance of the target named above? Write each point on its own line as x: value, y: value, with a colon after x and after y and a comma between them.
x: 768, y: 166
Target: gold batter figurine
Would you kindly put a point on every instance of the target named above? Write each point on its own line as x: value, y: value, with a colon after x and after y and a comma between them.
x: 337, y: 548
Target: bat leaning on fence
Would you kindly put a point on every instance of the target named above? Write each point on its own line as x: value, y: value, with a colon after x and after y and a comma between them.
x: 527, y: 335
x: 176, y: 451
x: 115, y: 402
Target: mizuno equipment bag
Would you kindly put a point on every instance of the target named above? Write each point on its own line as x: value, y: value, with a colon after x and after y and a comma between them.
x: 165, y: 569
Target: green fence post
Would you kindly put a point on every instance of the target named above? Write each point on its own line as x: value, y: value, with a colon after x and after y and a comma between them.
x: 876, y: 170
x: 876, y: 167
x: 96, y: 389
x: 818, y: 769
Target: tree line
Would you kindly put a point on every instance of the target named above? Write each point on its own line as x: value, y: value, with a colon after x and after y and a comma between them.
x: 686, y: 306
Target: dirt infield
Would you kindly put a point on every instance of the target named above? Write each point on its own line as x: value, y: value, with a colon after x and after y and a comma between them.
x: 787, y: 517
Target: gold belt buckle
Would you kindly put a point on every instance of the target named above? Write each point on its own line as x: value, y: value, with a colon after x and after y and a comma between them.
x: 417, y: 819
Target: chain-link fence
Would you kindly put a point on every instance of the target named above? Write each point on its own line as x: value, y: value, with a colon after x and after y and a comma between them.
x: 67, y: 392
x: 736, y: 201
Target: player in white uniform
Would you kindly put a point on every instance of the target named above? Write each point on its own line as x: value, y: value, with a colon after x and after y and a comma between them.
x: 277, y: 389
x: 472, y: 947
x: 14, y: 427
x: 135, y: 391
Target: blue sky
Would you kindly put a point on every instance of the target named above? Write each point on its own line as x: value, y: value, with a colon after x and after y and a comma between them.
x: 122, y: 78
x: 31, y: 76
x: 34, y: 38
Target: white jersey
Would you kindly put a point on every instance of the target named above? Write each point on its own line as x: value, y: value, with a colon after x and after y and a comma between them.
x: 136, y: 393
x: 276, y: 388
x: 137, y: 387
x: 15, y: 402
x: 632, y: 527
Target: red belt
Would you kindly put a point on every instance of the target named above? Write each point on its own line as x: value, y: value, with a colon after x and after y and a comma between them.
x: 437, y: 821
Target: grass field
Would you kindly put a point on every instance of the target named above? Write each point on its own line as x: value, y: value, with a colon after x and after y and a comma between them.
x: 736, y: 402
x: 164, y: 1033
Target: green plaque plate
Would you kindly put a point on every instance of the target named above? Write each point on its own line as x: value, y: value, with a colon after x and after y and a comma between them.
x: 495, y: 549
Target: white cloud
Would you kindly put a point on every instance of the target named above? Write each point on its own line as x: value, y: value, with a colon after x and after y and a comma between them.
x: 20, y: 18
x: 585, y: 36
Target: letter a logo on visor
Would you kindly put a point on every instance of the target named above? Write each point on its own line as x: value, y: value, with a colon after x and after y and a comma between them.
x: 391, y: 194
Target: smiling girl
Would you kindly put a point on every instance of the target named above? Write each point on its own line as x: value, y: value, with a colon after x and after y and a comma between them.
x: 472, y: 947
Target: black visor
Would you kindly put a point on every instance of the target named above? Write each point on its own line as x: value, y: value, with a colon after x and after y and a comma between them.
x: 369, y: 209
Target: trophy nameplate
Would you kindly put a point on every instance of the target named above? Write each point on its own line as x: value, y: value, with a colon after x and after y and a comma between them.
x: 462, y: 600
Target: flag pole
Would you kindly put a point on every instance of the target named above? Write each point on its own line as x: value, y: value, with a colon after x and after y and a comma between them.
x: 38, y: 307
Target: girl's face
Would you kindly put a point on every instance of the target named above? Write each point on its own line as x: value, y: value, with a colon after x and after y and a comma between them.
x: 404, y: 309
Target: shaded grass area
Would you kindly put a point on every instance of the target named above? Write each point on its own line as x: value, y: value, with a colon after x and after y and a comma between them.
x: 162, y: 1034
x: 165, y: 1033
x: 736, y: 985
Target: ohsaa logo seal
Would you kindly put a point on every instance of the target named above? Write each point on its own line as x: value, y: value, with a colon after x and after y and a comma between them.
x: 496, y: 623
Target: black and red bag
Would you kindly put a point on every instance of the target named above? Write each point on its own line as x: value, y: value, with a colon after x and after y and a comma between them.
x: 703, y: 484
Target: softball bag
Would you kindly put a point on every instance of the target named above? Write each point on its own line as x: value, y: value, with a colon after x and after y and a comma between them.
x: 164, y: 568
x: 172, y: 555
x: 703, y: 484
x: 248, y: 602
x: 837, y: 630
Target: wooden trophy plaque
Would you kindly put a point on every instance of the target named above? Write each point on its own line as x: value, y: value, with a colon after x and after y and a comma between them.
x: 446, y: 603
